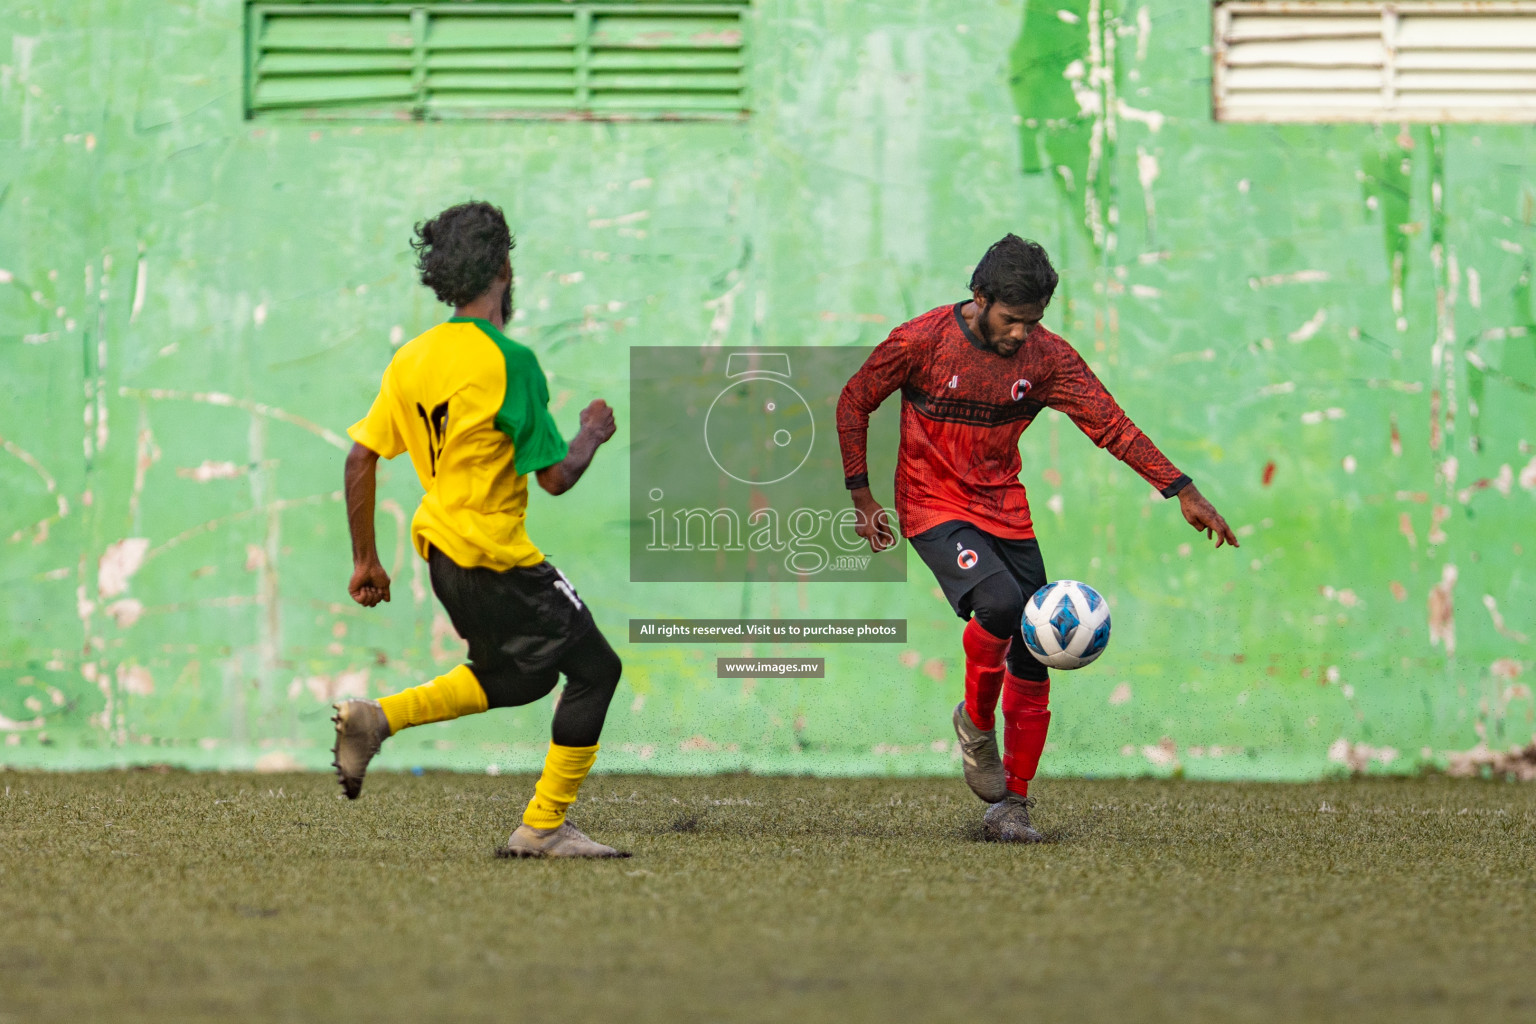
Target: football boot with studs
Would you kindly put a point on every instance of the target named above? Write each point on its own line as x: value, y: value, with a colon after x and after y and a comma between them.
x: 1007, y: 821
x: 361, y: 728
x: 978, y: 751
x: 564, y: 841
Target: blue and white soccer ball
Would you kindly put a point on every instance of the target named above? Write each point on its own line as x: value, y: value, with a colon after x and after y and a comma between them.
x: 1066, y: 624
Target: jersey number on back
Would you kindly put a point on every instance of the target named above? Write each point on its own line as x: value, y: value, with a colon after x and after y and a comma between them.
x: 437, y: 430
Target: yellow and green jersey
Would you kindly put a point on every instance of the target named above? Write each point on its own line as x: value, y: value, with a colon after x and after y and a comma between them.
x: 472, y: 408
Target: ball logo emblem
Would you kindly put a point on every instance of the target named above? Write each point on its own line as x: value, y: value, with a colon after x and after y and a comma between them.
x: 966, y: 558
x: 1020, y: 389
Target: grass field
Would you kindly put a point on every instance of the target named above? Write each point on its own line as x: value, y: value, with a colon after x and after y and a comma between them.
x: 137, y: 896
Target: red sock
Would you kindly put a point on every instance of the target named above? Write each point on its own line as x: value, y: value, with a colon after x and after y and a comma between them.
x: 1026, y: 717
x: 984, y: 654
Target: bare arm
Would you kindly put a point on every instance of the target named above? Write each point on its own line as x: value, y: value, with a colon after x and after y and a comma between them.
x: 597, y: 426
x: 370, y: 583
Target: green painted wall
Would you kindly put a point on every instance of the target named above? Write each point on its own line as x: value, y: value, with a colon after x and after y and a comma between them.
x: 1330, y: 328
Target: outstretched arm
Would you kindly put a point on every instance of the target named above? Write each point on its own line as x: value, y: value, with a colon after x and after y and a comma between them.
x: 597, y: 426
x: 370, y: 583
x: 1077, y: 391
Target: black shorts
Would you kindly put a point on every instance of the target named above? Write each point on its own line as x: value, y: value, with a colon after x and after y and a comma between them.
x: 961, y: 555
x: 518, y: 622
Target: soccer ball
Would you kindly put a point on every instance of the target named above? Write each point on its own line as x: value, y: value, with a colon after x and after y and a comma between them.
x: 1066, y: 624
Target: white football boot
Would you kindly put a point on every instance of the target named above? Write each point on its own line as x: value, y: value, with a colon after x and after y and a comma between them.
x: 361, y: 728
x: 565, y: 841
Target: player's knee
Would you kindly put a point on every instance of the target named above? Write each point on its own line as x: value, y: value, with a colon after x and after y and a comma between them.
x: 506, y: 687
x: 1023, y: 665
x: 596, y: 674
x: 607, y: 671
x: 998, y: 604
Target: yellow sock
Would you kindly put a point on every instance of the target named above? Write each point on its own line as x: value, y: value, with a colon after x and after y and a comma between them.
x: 447, y: 696
x: 564, y: 768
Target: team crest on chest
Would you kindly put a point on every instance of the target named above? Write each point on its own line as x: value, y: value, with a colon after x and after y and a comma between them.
x: 1020, y: 389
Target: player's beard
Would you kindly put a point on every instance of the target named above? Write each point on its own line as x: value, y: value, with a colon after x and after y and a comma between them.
x: 984, y: 329
x: 984, y: 332
x: 506, y: 305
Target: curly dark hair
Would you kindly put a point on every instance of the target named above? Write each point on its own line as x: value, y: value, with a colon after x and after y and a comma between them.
x: 461, y: 250
x: 1015, y: 272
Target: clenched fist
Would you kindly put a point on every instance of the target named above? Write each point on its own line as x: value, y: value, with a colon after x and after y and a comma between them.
x: 370, y: 584
x: 597, y: 419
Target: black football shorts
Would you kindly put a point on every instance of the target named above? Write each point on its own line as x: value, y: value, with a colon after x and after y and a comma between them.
x: 961, y: 555
x: 519, y: 622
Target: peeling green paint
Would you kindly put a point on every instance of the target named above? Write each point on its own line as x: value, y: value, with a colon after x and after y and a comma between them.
x: 195, y: 306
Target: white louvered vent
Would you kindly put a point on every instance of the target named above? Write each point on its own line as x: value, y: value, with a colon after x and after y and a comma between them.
x: 1412, y: 61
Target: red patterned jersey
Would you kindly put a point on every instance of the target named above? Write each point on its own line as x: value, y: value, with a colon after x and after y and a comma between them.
x: 963, y: 408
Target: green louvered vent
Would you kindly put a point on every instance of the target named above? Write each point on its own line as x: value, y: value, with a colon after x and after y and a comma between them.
x: 483, y: 59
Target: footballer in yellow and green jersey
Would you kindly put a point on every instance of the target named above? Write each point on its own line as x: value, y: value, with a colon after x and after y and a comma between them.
x: 471, y: 406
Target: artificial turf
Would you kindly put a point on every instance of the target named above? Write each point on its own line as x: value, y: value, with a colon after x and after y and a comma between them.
x: 137, y: 896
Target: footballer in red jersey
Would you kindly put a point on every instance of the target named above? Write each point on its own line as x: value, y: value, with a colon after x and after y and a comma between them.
x: 972, y: 377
